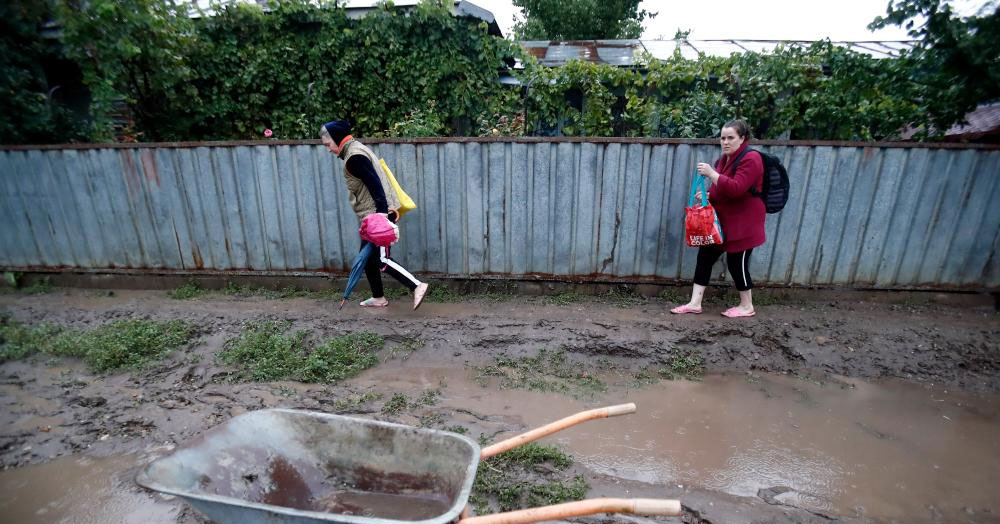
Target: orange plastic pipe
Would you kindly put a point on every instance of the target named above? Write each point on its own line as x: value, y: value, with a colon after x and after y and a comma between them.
x: 552, y: 427
x: 664, y: 507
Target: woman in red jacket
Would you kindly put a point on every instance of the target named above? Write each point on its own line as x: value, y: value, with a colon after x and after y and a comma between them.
x: 741, y: 215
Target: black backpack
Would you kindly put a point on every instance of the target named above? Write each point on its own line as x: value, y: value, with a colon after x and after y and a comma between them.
x: 775, y: 184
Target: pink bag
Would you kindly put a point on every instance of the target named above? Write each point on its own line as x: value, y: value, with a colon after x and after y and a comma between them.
x: 377, y: 229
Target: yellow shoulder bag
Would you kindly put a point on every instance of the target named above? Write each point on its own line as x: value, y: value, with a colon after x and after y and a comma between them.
x: 405, y: 202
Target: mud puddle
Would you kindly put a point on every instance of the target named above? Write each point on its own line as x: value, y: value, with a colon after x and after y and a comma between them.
x: 82, y: 490
x: 886, y: 450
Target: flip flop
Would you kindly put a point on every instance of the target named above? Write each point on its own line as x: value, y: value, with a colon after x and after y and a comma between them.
x: 371, y: 302
x: 685, y: 309
x: 736, y: 312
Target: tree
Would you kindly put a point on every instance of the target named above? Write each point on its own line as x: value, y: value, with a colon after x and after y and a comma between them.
x: 132, y: 51
x: 956, y: 63
x: 580, y: 19
x: 31, y: 109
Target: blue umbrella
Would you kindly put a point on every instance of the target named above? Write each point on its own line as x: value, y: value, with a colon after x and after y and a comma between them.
x: 357, y: 268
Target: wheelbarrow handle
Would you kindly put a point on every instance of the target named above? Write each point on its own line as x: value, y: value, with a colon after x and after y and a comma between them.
x: 552, y: 427
x: 666, y: 507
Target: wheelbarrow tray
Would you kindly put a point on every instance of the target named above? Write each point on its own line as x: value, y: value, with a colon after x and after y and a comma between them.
x: 280, y: 466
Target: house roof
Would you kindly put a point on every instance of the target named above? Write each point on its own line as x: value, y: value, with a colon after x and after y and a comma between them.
x: 982, y: 120
x: 359, y: 8
x: 623, y: 53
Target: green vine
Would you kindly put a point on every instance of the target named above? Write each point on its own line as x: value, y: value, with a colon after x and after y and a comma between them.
x: 156, y: 70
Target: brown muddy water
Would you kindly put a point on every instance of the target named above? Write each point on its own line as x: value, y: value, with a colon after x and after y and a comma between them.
x: 882, y: 451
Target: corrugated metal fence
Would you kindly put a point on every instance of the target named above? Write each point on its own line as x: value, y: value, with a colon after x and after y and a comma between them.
x: 860, y: 215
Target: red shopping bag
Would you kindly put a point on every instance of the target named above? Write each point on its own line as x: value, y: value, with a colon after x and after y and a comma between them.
x: 701, y: 223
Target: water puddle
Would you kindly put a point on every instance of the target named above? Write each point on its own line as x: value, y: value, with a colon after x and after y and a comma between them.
x: 81, y: 490
x: 890, y: 450
x: 886, y: 450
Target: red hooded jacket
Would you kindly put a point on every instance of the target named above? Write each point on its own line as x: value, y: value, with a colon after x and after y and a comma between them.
x: 740, y: 213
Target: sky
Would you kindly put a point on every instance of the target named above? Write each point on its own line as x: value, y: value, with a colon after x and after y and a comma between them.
x: 756, y: 19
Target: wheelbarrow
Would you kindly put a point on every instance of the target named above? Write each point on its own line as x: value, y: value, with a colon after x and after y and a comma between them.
x: 285, y: 466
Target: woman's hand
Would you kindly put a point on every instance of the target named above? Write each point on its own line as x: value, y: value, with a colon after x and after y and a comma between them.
x: 708, y: 171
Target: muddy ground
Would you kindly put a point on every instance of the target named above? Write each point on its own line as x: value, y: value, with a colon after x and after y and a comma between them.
x: 53, y: 408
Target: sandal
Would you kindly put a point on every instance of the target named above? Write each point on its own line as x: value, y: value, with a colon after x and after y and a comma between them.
x: 736, y: 312
x: 685, y: 309
x: 374, y: 302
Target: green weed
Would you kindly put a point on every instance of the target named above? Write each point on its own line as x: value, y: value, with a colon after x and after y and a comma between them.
x: 396, y: 404
x: 406, y: 347
x: 352, y: 402
x: 121, y: 344
x: 20, y: 340
x: 564, y: 298
x: 690, y: 367
x: 38, y: 287
x: 623, y: 296
x: 341, y: 358
x: 510, y: 480
x: 264, y: 351
x: 429, y: 397
x: 546, y: 371
x: 191, y: 289
x: 442, y: 293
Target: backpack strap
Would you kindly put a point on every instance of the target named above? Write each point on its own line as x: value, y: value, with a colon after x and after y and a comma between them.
x: 736, y: 163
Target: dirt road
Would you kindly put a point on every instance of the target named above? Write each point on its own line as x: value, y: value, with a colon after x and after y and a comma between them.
x: 55, y: 407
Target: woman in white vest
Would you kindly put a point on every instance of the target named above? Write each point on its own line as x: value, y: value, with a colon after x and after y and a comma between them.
x: 369, y: 192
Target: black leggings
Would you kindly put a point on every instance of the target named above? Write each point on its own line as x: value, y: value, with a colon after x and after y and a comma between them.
x: 379, y: 261
x: 739, y: 266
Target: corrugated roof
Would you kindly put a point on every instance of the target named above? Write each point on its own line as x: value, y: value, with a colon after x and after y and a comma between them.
x: 983, y: 119
x: 623, y: 53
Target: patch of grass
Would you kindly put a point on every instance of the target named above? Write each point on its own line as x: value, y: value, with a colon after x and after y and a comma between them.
x: 191, y: 289
x: 547, y: 371
x: 236, y: 290
x: 131, y: 343
x: 19, y: 340
x: 527, y: 476
x: 564, y: 298
x: 773, y: 298
x: 341, y: 358
x: 429, y: 397
x: 676, y: 295
x: 498, y: 291
x: 623, y: 296
x: 395, y: 292
x: 461, y: 430
x: 265, y: 351
x: 442, y: 293
x: 396, y: 404
x: 683, y: 366
x: 431, y: 419
x: 38, y: 287
x: 406, y: 347
x: 127, y: 343
x: 354, y: 401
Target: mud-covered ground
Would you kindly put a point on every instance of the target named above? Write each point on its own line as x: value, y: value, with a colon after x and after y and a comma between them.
x: 54, y: 407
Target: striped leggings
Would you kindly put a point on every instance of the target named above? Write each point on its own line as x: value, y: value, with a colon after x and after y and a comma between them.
x: 380, y: 261
x: 739, y: 266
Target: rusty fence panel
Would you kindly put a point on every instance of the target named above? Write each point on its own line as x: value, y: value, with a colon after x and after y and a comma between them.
x: 860, y: 215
